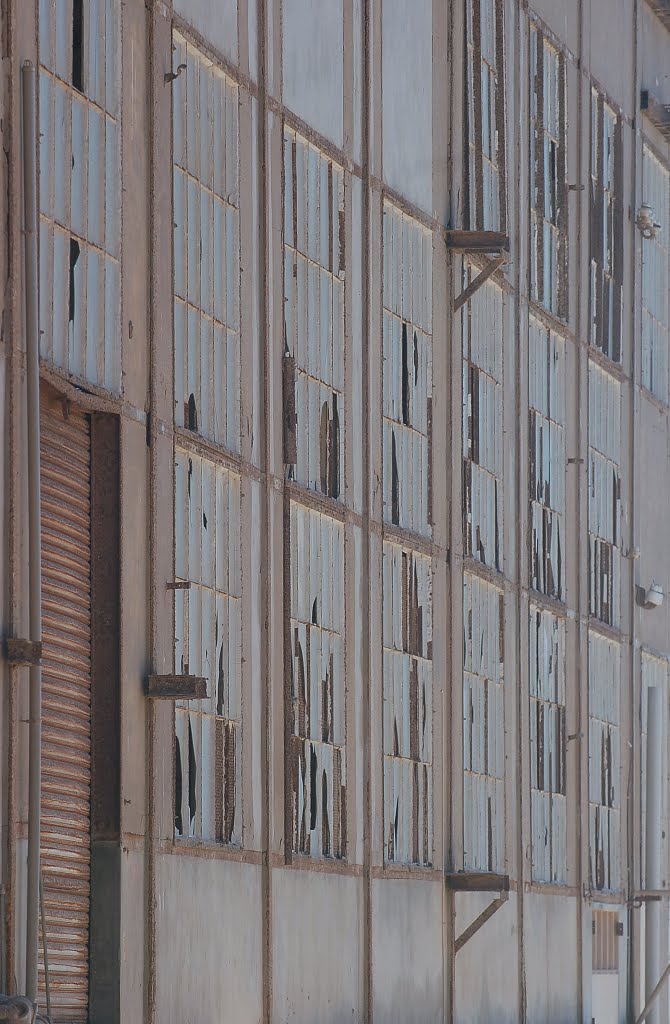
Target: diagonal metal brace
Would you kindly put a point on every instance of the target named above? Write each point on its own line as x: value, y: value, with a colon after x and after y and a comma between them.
x: 480, y: 279
x: 480, y: 921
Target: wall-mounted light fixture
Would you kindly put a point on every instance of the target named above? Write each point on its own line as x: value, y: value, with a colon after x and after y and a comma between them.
x: 645, y: 222
x: 652, y: 597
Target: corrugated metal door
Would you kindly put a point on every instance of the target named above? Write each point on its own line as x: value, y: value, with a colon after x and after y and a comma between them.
x: 66, y: 721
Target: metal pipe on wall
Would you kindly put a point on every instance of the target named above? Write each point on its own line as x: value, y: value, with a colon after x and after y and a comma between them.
x: 652, y: 834
x: 34, y: 531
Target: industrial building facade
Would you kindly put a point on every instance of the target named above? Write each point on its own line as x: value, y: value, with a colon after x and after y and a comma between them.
x: 351, y: 323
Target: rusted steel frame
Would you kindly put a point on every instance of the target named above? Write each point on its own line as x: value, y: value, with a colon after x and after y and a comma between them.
x: 481, y: 278
x: 480, y: 921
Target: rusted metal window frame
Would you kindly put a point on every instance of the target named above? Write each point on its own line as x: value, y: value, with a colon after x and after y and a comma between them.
x: 313, y: 240
x: 548, y: 747
x: 549, y: 213
x: 655, y: 278
x: 478, y: 380
x: 483, y: 761
x: 603, y: 466
x: 207, y: 377
x: 604, y: 746
x: 82, y: 96
x: 477, y: 68
x: 408, y: 706
x: 606, y: 229
x: 326, y: 838
x: 547, y: 417
x: 605, y: 941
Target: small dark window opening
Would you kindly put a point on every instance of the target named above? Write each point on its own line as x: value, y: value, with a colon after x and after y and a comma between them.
x: 74, y: 256
x: 78, y: 44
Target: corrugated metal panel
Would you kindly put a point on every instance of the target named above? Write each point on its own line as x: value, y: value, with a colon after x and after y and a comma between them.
x: 604, y: 762
x: 407, y: 370
x: 80, y: 191
x: 316, y: 761
x: 206, y: 248
x: 654, y: 673
x: 408, y: 705
x: 66, y: 721
x: 483, y: 725
x: 547, y: 746
x: 208, y: 642
x: 314, y: 310
x: 482, y: 328
x: 655, y: 270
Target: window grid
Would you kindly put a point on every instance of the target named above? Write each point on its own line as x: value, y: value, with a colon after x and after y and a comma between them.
x: 80, y: 189
x: 407, y: 699
x: 208, y: 642
x: 407, y: 372
x: 314, y: 310
x: 606, y: 228
x: 485, y: 116
x: 206, y: 248
x: 316, y: 761
x: 548, y: 215
x: 547, y: 459
x: 656, y: 279
x: 604, y: 496
x: 547, y: 746
x: 604, y: 763
x: 482, y: 330
x: 483, y: 726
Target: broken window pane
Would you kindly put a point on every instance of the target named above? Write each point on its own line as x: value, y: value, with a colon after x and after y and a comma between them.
x: 548, y: 185
x: 655, y: 271
x: 80, y: 188
x: 606, y: 228
x: 604, y: 763
x: 206, y: 248
x: 408, y: 705
x: 316, y: 763
x: 483, y: 726
x: 482, y: 329
x: 547, y: 746
x: 546, y: 385
x: 485, y: 116
x: 313, y: 315
x: 407, y: 372
x: 604, y: 495
x: 208, y: 643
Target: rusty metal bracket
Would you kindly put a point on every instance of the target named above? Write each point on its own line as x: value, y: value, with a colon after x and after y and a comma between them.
x: 178, y: 585
x: 477, y: 241
x: 23, y: 652
x: 476, y: 881
x: 175, y: 687
x: 481, y: 278
x: 481, y: 920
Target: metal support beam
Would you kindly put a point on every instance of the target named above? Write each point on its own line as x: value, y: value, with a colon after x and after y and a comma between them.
x: 480, y: 279
x: 654, y: 996
x: 480, y: 921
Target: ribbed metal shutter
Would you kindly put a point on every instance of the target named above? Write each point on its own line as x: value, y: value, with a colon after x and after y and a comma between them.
x: 66, y: 710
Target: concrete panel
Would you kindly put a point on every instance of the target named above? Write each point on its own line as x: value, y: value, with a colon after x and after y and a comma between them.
x: 407, y: 117
x: 550, y: 938
x: 486, y: 977
x: 214, y: 20
x: 317, y: 922
x: 561, y: 19
x: 407, y: 951
x: 209, y: 916
x: 313, y: 65
x: 611, y: 64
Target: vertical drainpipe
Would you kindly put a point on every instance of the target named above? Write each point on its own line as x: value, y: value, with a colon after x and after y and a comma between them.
x: 35, y: 569
x: 652, y: 834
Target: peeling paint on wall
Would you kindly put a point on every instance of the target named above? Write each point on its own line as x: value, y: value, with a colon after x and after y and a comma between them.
x: 546, y: 439
x: 548, y: 743
x: 482, y: 328
x: 604, y: 495
x: 313, y: 315
x: 407, y: 372
x: 208, y: 642
x: 80, y: 189
x: 604, y: 763
x: 206, y: 248
x: 655, y: 276
x: 484, y: 115
x: 606, y: 228
x: 408, y: 705
x: 483, y: 725
x: 317, y: 687
x: 548, y: 176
